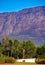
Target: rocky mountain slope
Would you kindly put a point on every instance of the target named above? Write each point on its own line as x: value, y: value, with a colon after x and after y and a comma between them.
x: 26, y: 24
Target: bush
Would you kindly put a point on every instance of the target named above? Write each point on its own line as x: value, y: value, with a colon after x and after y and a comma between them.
x: 9, y: 60
x: 40, y: 60
x: 2, y: 59
x: 23, y: 60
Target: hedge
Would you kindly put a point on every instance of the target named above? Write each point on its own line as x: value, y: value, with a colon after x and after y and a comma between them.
x: 2, y: 60
x: 40, y: 60
x: 7, y: 60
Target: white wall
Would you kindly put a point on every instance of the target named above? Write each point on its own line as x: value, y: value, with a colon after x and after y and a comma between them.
x: 30, y: 60
x: 26, y: 60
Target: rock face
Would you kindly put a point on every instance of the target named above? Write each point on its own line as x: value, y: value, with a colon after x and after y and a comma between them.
x: 26, y: 24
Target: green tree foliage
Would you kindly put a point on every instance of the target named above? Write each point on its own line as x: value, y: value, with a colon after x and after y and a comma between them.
x: 5, y: 44
x: 29, y: 47
x: 40, y: 53
x: 21, y: 49
x: 1, y: 49
x: 15, y: 43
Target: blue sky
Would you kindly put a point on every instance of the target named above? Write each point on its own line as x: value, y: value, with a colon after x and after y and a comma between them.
x: 16, y: 5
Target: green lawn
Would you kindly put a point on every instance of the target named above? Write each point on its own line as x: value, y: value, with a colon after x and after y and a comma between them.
x: 24, y: 63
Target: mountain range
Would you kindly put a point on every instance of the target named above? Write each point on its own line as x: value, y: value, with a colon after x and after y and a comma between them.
x: 26, y: 24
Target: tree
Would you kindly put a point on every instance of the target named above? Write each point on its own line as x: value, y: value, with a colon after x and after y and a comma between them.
x: 1, y: 49
x: 17, y: 49
x: 40, y: 53
x: 16, y: 44
x: 5, y: 44
x: 10, y: 47
x: 29, y: 47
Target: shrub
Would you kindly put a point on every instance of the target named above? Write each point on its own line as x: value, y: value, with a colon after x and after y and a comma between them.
x: 40, y: 60
x: 23, y: 60
x: 9, y: 60
x: 2, y: 59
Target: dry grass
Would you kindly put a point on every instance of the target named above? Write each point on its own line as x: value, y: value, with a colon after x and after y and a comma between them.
x: 22, y: 64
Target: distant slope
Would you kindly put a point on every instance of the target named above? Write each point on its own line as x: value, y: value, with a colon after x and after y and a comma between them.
x: 26, y: 24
